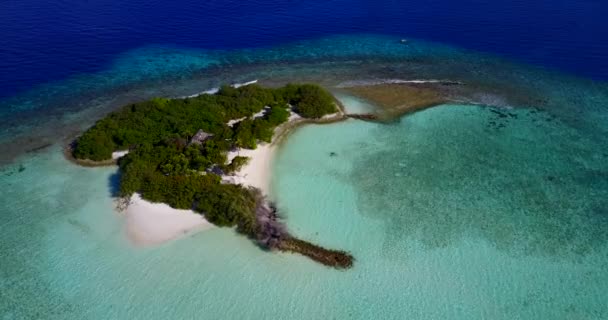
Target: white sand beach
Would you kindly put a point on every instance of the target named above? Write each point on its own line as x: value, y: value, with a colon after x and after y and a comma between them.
x: 150, y: 223
x: 256, y: 173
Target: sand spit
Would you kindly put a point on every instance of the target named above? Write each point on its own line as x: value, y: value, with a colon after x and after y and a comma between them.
x: 150, y: 223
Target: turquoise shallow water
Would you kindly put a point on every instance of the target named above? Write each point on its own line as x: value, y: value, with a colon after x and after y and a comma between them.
x: 457, y: 212
x: 450, y: 216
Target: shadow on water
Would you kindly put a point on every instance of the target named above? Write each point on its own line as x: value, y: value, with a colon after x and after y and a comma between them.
x: 114, y: 184
x: 531, y: 186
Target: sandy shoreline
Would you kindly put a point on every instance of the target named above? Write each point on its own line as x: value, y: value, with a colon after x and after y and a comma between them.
x: 150, y: 223
x: 257, y: 172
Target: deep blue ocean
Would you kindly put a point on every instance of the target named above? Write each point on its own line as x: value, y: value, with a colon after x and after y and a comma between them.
x: 42, y: 41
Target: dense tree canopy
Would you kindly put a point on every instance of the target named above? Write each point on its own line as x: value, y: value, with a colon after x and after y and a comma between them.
x: 235, y: 165
x: 158, y: 119
x: 309, y: 100
x: 164, y: 165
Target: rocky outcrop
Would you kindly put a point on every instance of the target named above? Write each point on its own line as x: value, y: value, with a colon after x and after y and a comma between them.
x: 272, y: 234
x: 332, y: 258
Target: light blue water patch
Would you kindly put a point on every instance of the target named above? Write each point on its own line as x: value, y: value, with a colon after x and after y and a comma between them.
x: 474, y: 215
x: 520, y: 179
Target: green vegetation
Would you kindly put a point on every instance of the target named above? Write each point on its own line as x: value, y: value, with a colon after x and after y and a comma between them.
x: 310, y: 101
x: 166, y: 165
x: 235, y: 165
x: 153, y: 121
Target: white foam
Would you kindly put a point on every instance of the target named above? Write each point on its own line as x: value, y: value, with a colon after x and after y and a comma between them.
x: 373, y: 82
x: 215, y: 90
x: 238, y: 85
x: 210, y: 91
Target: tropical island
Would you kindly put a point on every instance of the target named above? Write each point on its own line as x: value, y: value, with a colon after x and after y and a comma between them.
x: 182, y: 153
x: 205, y: 159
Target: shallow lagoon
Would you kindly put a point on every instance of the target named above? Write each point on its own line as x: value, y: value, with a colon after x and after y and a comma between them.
x: 451, y: 216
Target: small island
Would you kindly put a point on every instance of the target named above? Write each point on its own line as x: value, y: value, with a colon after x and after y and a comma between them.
x: 182, y: 153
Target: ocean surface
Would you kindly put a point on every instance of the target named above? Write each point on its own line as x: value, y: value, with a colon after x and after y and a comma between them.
x: 497, y: 210
x: 48, y: 40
